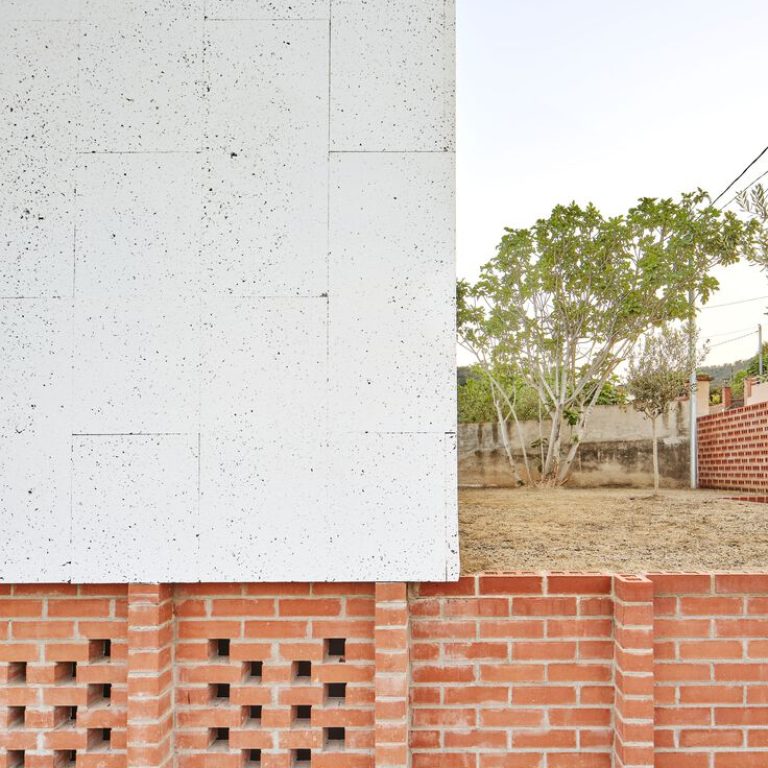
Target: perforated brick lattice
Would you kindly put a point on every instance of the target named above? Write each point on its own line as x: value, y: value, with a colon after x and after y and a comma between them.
x: 732, y: 449
x: 63, y: 676
x: 275, y: 675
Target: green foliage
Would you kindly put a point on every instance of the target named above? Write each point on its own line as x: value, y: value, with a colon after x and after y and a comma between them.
x: 753, y: 368
x: 737, y: 384
x: 754, y: 201
x: 659, y: 371
x: 613, y: 393
x: 475, y: 399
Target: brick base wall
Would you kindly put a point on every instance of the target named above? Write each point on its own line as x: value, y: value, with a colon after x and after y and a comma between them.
x: 733, y: 449
x: 523, y: 670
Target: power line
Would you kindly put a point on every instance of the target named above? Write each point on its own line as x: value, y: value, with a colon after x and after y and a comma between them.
x: 729, y: 333
x: 728, y: 341
x: 733, y: 303
x: 741, y: 175
x: 736, y: 180
x: 751, y: 184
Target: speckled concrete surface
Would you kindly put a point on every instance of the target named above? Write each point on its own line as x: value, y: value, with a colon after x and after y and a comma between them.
x: 227, y: 290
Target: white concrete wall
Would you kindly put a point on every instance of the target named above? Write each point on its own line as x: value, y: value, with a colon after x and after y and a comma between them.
x: 226, y: 290
x: 756, y: 392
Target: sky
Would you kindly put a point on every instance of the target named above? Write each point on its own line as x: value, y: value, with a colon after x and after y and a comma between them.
x: 606, y: 102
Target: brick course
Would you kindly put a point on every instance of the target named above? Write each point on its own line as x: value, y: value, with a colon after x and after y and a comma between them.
x: 733, y: 449
x: 526, y: 670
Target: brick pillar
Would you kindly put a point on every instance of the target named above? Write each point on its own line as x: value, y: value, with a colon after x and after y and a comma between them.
x: 150, y: 676
x: 633, y: 665
x: 727, y: 396
x: 392, y: 676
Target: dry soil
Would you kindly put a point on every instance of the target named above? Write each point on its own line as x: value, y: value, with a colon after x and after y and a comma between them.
x: 614, y: 530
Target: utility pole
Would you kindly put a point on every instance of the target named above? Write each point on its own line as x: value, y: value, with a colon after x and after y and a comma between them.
x: 692, y: 387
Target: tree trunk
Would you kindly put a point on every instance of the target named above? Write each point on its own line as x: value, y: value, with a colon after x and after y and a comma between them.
x: 655, y: 456
x: 505, y: 442
x: 578, y: 436
x: 521, y: 437
x: 552, y: 460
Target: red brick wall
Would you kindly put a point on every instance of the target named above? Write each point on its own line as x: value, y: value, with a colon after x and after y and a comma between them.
x: 496, y: 671
x: 711, y: 670
x: 512, y: 671
x: 733, y: 449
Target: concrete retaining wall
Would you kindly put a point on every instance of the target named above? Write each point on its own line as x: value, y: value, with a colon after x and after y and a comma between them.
x: 617, y: 450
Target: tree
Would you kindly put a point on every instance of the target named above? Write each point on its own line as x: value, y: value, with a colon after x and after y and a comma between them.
x: 657, y: 377
x: 755, y: 202
x: 562, y: 303
x: 476, y: 397
x: 753, y: 368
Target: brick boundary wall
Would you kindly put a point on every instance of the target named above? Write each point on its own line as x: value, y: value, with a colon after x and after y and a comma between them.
x: 733, y: 449
x: 526, y: 670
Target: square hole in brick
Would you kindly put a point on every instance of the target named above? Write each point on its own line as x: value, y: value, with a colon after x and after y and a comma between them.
x: 64, y: 758
x: 334, y: 737
x: 99, y: 693
x: 301, y: 714
x: 17, y: 672
x: 99, y: 650
x: 302, y: 670
x: 336, y: 691
x: 254, y: 670
x: 15, y: 758
x: 65, y: 671
x: 253, y: 713
x: 220, y: 691
x: 219, y: 737
x: 16, y: 716
x: 99, y: 739
x: 252, y: 757
x: 335, y: 648
x: 220, y: 648
x: 302, y: 757
x: 64, y: 716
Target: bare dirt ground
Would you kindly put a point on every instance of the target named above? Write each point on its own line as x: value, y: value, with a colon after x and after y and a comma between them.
x: 607, y: 529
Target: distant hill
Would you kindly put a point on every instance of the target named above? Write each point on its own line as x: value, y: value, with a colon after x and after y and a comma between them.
x: 723, y: 373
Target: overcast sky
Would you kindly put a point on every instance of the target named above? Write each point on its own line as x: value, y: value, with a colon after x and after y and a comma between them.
x: 604, y: 101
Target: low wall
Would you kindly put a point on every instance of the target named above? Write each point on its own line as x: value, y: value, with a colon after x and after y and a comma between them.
x: 527, y: 670
x: 617, y: 450
x: 733, y: 449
